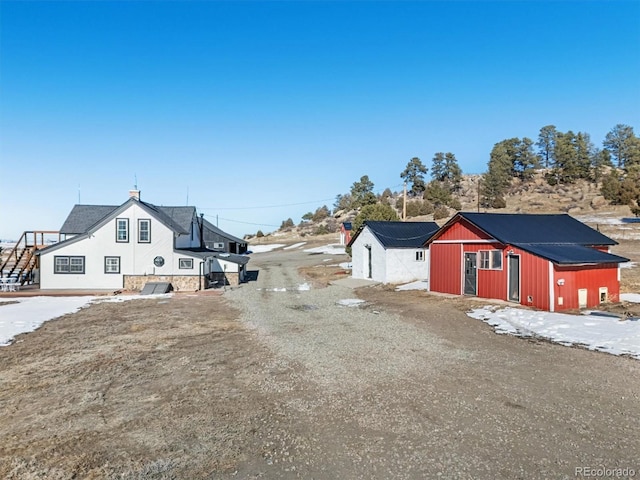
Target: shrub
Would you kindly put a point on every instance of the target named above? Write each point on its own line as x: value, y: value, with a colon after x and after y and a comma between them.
x: 440, y: 212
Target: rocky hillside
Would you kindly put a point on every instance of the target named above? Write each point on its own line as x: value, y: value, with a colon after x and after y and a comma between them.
x: 581, y: 200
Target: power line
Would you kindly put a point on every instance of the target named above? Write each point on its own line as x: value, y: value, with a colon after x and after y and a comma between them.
x: 246, y: 223
x: 267, y: 206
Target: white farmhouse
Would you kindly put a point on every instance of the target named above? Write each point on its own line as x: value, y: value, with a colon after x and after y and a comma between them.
x: 391, y: 252
x: 128, y: 246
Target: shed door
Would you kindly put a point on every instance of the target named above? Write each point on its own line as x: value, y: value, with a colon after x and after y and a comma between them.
x: 470, y: 274
x: 514, y: 278
x: 369, y: 269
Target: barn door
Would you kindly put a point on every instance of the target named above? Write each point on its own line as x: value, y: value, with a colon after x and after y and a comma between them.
x: 514, y: 278
x: 470, y: 274
x: 369, y: 269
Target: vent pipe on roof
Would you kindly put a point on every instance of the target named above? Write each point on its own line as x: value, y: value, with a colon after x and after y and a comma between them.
x: 134, y: 194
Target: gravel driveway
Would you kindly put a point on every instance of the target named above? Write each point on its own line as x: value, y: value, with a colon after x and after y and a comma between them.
x: 406, y: 386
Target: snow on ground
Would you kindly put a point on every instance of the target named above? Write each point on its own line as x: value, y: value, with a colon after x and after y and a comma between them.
x: 332, y: 249
x: 630, y: 297
x: 595, y: 332
x: 346, y: 265
x: 265, y: 248
x: 303, y: 287
x: 418, y: 285
x: 28, y: 313
x: 628, y: 265
x: 350, y: 302
x: 295, y: 245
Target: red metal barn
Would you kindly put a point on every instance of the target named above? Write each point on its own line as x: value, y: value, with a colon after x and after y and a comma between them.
x: 345, y: 233
x: 551, y: 262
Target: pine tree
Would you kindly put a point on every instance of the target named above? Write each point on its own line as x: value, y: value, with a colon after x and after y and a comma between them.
x: 623, y: 145
x: 379, y: 211
x: 414, y: 174
x: 362, y: 193
x: 438, y: 167
x: 546, y: 145
x: 495, y: 182
x: 453, y: 172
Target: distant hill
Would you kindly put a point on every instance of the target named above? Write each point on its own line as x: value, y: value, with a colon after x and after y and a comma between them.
x: 581, y: 199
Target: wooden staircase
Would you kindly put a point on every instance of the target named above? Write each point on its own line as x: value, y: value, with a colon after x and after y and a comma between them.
x: 22, y: 259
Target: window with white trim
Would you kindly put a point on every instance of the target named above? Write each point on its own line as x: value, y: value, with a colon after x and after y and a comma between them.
x: 111, y: 264
x: 419, y: 255
x: 68, y: 264
x: 184, y: 263
x: 490, y: 260
x: 122, y: 230
x: 144, y: 230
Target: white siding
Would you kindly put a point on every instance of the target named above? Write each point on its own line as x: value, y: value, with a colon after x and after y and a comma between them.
x: 402, y: 266
x: 360, y: 257
x: 393, y: 265
x: 135, y: 258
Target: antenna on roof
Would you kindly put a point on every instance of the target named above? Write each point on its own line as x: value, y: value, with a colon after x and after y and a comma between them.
x: 135, y: 181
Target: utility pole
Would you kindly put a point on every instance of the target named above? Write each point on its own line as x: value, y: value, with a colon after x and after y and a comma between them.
x: 404, y: 203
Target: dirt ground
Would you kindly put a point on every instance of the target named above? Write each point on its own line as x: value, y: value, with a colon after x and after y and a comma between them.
x: 187, y: 388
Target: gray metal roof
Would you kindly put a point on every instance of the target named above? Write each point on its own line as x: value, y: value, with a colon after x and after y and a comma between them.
x: 556, y: 237
x: 571, y: 254
x: 210, y: 226
x: 206, y: 253
x: 83, y: 217
x: 537, y: 228
x: 400, y: 234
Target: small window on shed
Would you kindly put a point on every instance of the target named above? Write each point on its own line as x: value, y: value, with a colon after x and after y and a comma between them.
x: 490, y: 260
x: 420, y: 256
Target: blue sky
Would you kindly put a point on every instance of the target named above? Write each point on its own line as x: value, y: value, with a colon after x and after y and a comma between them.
x: 242, y: 107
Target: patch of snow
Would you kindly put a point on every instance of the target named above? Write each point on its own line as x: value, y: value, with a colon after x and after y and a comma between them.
x: 630, y: 297
x: 628, y: 265
x: 29, y: 313
x: 418, y: 285
x: 346, y: 265
x: 295, y: 245
x: 350, y: 302
x: 304, y: 287
x: 605, y: 334
x: 332, y: 249
x: 265, y: 248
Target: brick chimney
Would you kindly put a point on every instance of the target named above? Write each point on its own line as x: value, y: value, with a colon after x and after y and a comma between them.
x: 134, y: 194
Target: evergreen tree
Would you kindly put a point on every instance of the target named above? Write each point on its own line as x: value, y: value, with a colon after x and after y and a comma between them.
x: 414, y: 174
x: 599, y: 160
x: 379, y: 211
x: 495, y: 182
x: 623, y: 145
x: 437, y: 193
x: 546, y: 145
x: 343, y: 202
x: 453, y: 171
x: 362, y: 193
x: 524, y: 160
x: 438, y: 167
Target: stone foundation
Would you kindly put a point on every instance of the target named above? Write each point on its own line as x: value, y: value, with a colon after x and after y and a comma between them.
x: 180, y: 283
x: 221, y: 279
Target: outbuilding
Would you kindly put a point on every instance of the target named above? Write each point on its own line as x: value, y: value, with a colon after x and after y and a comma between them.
x: 551, y: 262
x: 391, y: 252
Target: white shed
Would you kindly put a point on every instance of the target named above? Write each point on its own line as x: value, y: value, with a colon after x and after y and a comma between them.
x: 391, y: 252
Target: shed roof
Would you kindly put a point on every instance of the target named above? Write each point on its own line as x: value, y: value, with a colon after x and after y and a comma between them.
x: 571, y: 254
x: 556, y: 237
x: 210, y: 226
x: 400, y: 234
x: 513, y: 228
